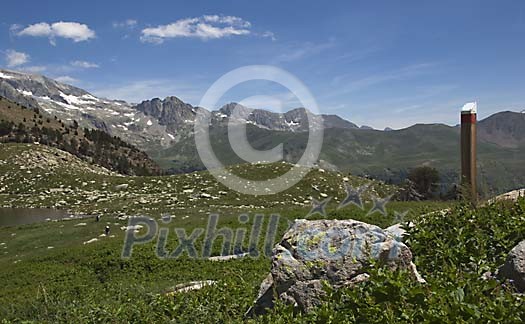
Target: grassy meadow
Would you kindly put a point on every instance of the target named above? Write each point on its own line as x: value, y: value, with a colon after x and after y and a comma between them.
x: 49, y: 273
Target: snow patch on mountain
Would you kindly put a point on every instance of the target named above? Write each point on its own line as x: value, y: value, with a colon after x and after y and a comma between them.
x: 5, y: 76
x: 25, y: 93
x: 292, y: 123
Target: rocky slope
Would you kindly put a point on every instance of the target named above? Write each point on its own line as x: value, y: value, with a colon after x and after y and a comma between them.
x: 28, y: 125
x: 151, y: 124
x: 71, y: 103
x: 41, y: 176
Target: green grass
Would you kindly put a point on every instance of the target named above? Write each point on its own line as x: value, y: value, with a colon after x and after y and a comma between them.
x: 49, y: 275
x: 73, y: 282
x: 80, y: 283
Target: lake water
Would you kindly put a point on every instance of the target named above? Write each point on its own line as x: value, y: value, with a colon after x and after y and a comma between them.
x: 22, y: 216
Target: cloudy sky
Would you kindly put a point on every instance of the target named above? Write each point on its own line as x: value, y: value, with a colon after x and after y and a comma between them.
x: 377, y: 63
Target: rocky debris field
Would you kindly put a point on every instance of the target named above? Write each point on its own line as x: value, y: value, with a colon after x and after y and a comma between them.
x: 39, y: 176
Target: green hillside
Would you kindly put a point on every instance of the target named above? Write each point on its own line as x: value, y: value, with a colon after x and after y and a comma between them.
x: 19, y: 124
x: 383, y: 155
x: 40, y: 176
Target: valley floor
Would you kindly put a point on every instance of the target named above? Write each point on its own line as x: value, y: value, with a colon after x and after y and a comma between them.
x: 57, y: 272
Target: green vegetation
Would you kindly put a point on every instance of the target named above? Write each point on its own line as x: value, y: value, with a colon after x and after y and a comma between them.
x: 452, y: 251
x: 50, y: 274
x: 388, y: 156
x: 90, y: 283
x: 425, y: 179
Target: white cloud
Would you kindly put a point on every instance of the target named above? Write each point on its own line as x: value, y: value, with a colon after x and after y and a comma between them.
x: 71, y: 30
x: 66, y: 79
x: 14, y: 58
x: 205, y: 27
x: 128, y: 23
x: 84, y: 64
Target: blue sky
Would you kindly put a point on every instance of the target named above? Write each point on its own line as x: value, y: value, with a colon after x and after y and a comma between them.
x: 379, y: 63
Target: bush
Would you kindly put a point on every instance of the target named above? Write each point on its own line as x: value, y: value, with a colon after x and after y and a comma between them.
x: 425, y: 179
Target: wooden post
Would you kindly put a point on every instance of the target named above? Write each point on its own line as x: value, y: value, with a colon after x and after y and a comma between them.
x: 468, y: 151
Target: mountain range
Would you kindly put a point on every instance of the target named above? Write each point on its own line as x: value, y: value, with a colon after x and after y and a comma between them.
x: 164, y: 129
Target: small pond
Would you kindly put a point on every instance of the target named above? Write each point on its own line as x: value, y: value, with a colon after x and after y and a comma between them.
x: 22, y: 216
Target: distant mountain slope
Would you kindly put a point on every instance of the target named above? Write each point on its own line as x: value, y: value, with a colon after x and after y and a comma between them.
x: 378, y: 154
x: 27, y: 125
x: 150, y: 125
x: 178, y: 116
x: 505, y: 129
x: 164, y: 129
x: 71, y: 103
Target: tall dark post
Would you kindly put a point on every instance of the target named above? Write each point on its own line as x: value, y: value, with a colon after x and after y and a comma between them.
x: 468, y: 151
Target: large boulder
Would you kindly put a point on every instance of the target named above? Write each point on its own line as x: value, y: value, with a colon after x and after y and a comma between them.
x: 327, y: 252
x: 514, y: 267
x: 513, y: 195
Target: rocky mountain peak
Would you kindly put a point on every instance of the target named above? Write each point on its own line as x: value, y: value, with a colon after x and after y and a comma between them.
x: 170, y: 112
x: 229, y: 109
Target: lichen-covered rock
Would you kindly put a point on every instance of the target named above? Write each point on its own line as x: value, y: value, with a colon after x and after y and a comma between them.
x: 327, y: 252
x: 513, y: 195
x: 514, y: 267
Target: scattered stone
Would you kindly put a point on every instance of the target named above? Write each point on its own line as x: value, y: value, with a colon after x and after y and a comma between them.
x: 228, y: 257
x: 131, y: 228
x: 123, y: 186
x: 81, y: 224
x: 514, y: 267
x: 193, y: 285
x: 91, y: 241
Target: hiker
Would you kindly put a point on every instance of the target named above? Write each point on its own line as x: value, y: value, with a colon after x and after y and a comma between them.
x: 107, y: 230
x: 98, y: 218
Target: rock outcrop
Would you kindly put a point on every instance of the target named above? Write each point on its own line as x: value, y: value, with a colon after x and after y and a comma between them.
x: 171, y: 111
x: 327, y: 252
x: 513, y: 195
